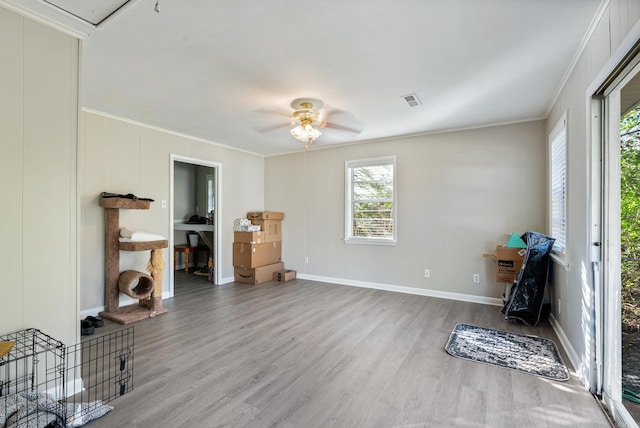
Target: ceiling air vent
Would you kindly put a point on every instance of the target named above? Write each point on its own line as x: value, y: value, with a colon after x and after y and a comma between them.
x: 412, y: 100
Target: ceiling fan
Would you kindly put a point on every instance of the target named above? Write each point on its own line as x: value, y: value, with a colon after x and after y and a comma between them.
x: 308, y: 118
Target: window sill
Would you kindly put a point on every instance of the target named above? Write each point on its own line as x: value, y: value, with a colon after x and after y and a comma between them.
x: 560, y: 260
x: 364, y: 241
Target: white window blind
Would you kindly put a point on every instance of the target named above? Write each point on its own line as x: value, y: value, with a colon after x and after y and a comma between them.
x: 558, y: 184
x: 370, y: 200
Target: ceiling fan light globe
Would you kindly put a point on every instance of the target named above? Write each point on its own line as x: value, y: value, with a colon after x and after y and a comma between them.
x: 314, y: 134
x: 298, y: 133
x: 305, y: 132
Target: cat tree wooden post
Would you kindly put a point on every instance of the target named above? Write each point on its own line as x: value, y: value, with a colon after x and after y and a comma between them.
x: 111, y: 259
x: 156, y: 268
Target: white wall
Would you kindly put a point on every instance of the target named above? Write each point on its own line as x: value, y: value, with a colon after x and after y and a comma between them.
x: 573, y: 286
x: 38, y: 178
x: 124, y: 157
x: 459, y: 195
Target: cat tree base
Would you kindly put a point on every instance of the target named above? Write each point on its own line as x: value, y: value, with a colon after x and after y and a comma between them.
x: 132, y: 313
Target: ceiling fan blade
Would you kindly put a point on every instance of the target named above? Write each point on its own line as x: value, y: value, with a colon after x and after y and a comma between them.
x: 265, y: 121
x: 334, y: 117
x: 337, y: 115
x: 342, y: 128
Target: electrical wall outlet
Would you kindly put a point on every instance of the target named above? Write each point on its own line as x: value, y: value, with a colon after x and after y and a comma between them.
x: 476, y: 278
x: 427, y: 273
x: 306, y: 260
x: 164, y: 204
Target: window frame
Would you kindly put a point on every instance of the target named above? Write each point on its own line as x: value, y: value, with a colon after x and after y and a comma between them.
x: 348, y: 230
x: 558, y: 137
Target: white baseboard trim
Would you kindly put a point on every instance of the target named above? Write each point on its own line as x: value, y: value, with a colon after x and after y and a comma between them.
x: 227, y: 280
x: 353, y: 283
x: 73, y: 387
x: 580, y: 369
x: 408, y: 290
x: 123, y: 302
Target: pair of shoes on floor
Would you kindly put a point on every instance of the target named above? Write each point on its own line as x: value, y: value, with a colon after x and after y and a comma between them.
x: 89, y: 325
x: 86, y: 328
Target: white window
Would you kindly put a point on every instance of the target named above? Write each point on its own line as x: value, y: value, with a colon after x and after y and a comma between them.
x: 558, y: 186
x: 211, y: 193
x: 370, y: 201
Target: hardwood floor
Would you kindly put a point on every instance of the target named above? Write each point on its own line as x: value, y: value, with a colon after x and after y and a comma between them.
x: 309, y: 354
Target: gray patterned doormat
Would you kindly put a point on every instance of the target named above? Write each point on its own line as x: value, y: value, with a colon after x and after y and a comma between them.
x: 528, y: 354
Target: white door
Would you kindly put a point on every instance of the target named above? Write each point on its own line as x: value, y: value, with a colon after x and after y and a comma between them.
x: 617, y: 99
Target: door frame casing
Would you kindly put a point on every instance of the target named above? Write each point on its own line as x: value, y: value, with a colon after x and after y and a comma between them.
x: 173, y: 158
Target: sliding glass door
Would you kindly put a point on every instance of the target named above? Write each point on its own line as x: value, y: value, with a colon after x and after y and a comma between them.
x: 617, y: 166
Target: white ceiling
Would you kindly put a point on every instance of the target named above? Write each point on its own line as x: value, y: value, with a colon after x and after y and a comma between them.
x: 219, y: 70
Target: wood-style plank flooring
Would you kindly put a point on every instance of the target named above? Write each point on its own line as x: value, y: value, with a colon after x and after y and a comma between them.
x: 309, y: 354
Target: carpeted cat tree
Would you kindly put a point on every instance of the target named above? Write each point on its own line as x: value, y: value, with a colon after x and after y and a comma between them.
x: 147, y: 288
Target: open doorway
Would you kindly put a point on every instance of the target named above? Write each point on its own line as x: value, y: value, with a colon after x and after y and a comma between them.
x: 194, y: 211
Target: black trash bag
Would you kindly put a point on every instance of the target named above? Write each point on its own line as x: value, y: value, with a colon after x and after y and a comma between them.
x: 527, y: 293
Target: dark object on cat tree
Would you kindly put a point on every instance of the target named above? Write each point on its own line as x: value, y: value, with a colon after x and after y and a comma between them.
x: 127, y: 196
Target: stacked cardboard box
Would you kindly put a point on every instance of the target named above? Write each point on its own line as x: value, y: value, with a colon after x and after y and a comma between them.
x: 257, y: 255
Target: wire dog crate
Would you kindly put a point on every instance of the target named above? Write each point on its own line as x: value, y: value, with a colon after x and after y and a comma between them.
x: 44, y: 383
